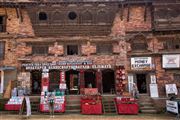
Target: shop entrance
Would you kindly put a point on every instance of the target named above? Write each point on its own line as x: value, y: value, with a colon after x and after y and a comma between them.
x: 108, y: 81
x: 54, y: 78
x: 141, y: 83
x: 72, y: 82
x: 90, y: 79
x: 36, y: 77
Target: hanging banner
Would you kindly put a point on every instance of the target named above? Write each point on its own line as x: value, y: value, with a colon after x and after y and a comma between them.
x: 171, y: 61
x: 141, y: 63
x: 130, y: 82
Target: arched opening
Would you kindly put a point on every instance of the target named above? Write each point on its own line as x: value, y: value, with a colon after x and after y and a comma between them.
x: 102, y: 17
x: 87, y: 17
x: 72, y: 81
x: 72, y: 15
x: 108, y: 81
x: 90, y: 79
x: 42, y: 16
x: 36, y: 76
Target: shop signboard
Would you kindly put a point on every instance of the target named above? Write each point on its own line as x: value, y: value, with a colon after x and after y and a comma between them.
x: 141, y: 63
x: 130, y: 82
x: 172, y: 106
x: 154, y: 90
x: 171, y: 89
x: 171, y: 61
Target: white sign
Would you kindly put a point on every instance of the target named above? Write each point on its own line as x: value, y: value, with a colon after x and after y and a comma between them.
x: 171, y: 89
x: 171, y: 61
x: 141, y: 63
x: 62, y: 86
x: 153, y: 79
x: 172, y: 106
x: 154, y: 90
x: 130, y: 82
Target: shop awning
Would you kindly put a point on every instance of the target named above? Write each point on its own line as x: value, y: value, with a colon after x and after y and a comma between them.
x: 7, y: 68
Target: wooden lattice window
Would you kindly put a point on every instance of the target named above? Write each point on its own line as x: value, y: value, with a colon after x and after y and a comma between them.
x: 40, y: 49
x: 102, y: 17
x: 57, y: 16
x: 176, y: 76
x: 87, y: 17
x: 139, y: 43
x: 2, y: 24
x: 2, y: 50
x: 104, y: 48
x: 172, y: 44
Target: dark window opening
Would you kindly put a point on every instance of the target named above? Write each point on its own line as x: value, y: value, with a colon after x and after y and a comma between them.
x: 40, y: 49
x: 72, y: 15
x: 90, y: 79
x: 141, y: 83
x: 177, y: 77
x: 172, y: 44
x: 139, y: 46
x: 2, y: 24
x: 42, y: 16
x: 2, y: 50
x: 104, y: 48
x: 36, y: 76
x: 72, y: 49
x: 177, y: 46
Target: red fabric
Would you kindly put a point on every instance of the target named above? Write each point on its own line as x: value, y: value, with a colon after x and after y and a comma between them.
x: 91, y: 107
x: 12, y: 107
x: 127, y: 108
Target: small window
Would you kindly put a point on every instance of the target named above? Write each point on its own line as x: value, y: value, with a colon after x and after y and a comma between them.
x: 2, y: 50
x: 87, y: 17
x: 72, y: 49
x: 104, y: 48
x: 42, y: 16
x: 177, y: 77
x: 2, y: 24
x: 72, y: 15
x: 40, y: 49
x: 102, y: 17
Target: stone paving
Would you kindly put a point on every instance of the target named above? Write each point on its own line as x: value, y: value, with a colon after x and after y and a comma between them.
x: 92, y: 117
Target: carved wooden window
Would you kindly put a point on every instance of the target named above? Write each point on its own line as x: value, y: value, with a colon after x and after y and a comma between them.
x: 42, y: 16
x: 40, y: 49
x: 104, y: 48
x: 87, y: 17
x: 2, y: 24
x: 176, y: 76
x: 72, y: 50
x: 102, y: 17
x: 172, y: 44
x: 2, y: 50
x: 57, y: 16
x: 139, y: 43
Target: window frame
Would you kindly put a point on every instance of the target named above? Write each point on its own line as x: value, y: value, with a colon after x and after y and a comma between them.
x: 34, y: 52
x: 78, y: 46
x: 3, y: 24
x: 100, y: 48
x: 2, y: 57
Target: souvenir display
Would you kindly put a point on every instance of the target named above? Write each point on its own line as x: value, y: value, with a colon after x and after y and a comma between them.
x: 91, y: 102
x: 120, y: 78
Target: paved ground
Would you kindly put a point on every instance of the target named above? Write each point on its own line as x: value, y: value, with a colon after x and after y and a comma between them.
x: 92, y: 117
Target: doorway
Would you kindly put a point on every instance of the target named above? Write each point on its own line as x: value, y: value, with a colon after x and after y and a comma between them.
x: 36, y: 77
x: 108, y: 81
x: 54, y: 79
x: 90, y: 79
x: 141, y: 83
x: 72, y: 82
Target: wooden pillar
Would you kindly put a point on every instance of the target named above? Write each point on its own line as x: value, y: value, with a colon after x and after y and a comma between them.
x: 2, y: 81
x: 82, y: 82
x: 99, y: 80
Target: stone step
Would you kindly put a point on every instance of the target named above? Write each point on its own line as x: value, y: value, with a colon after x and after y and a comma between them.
x: 73, y: 111
x: 146, y: 104
x: 148, y: 108
x: 149, y: 111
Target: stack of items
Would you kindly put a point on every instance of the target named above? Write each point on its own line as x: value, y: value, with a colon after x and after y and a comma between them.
x: 91, y: 102
x: 59, y: 102
x: 15, y: 101
x: 120, y: 79
x: 126, y: 105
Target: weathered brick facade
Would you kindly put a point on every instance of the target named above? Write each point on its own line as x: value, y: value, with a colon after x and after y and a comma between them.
x: 130, y: 20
